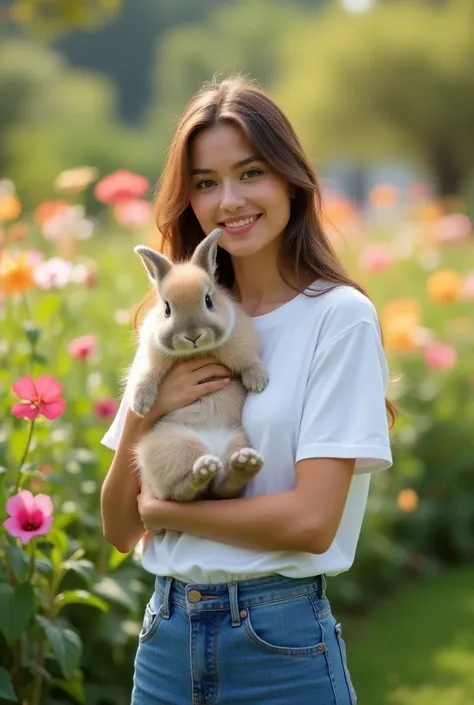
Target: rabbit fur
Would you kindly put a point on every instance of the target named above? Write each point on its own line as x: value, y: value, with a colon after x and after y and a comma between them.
x: 200, y: 450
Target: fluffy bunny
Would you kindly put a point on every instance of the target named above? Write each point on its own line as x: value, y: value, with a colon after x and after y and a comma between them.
x: 201, y: 449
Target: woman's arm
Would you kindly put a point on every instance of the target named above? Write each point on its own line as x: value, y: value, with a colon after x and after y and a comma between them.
x: 303, y: 519
x: 122, y: 525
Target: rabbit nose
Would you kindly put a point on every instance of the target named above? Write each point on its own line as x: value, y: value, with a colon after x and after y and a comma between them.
x: 193, y: 340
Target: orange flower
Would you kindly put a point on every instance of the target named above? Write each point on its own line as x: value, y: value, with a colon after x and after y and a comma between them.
x: 10, y: 207
x: 16, y: 273
x: 444, y: 286
x: 400, y: 320
x: 49, y: 209
x: 407, y: 500
x: 383, y: 196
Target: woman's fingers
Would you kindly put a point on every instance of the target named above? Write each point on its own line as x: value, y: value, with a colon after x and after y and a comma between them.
x: 216, y: 385
x: 210, y: 371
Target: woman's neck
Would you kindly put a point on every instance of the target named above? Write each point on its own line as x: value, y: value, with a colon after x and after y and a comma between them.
x: 259, y: 286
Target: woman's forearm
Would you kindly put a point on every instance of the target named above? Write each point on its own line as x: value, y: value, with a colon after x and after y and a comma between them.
x: 269, y: 522
x: 121, y: 522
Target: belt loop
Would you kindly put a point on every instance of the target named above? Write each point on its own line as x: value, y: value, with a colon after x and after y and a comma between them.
x: 166, y: 598
x: 323, y: 586
x: 234, y: 604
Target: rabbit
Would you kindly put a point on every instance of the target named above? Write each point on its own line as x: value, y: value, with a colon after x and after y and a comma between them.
x: 200, y: 450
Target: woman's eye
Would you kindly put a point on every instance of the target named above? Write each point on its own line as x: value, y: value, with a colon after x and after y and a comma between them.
x: 250, y: 173
x: 167, y: 310
x: 208, y: 302
x: 207, y: 183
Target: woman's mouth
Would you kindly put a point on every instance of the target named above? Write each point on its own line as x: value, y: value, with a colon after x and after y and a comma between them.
x: 240, y: 224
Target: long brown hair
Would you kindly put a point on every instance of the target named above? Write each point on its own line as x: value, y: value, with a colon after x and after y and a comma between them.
x: 307, y: 251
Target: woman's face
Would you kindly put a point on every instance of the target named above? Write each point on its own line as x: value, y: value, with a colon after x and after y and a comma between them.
x: 235, y: 191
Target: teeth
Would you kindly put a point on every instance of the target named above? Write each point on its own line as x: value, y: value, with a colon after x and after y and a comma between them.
x: 241, y: 223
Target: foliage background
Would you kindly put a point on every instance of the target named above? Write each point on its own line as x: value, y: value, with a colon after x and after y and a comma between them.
x: 384, y: 103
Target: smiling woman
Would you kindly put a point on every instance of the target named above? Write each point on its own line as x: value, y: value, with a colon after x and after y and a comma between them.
x: 243, y: 581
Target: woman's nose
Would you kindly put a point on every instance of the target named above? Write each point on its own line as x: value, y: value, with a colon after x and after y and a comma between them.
x: 232, y: 199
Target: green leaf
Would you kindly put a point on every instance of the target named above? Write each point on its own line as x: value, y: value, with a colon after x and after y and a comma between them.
x: 79, y: 597
x: 66, y: 645
x: 19, y: 562
x: 74, y: 686
x: 59, y: 540
x: 16, y: 609
x: 116, y: 558
x: 6, y: 687
x: 111, y: 590
x: 84, y: 568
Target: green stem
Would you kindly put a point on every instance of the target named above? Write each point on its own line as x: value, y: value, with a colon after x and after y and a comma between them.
x: 38, y: 679
x: 25, y: 453
x: 32, y: 560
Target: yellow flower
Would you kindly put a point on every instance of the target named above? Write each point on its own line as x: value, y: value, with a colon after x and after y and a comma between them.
x: 76, y: 180
x: 10, y: 207
x: 16, y: 273
x: 407, y: 500
x: 400, y: 320
x: 444, y: 286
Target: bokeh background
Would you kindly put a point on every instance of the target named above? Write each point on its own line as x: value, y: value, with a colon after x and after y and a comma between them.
x: 382, y: 96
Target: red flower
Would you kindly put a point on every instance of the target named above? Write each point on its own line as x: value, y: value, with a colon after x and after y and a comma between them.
x: 122, y: 185
x: 106, y: 409
x: 83, y: 347
x: 40, y: 397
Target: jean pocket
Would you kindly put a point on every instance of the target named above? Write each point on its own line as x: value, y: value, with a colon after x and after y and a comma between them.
x: 288, y: 627
x: 342, y: 649
x: 151, y: 621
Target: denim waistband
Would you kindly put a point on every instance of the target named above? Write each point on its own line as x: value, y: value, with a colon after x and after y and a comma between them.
x: 234, y: 595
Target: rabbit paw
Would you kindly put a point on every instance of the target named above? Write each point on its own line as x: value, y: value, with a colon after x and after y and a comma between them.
x: 142, y: 400
x: 254, y: 379
x: 204, y: 469
x: 246, y: 461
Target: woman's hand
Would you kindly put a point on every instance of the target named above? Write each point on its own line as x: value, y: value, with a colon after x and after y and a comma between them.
x: 184, y: 384
x: 151, y: 512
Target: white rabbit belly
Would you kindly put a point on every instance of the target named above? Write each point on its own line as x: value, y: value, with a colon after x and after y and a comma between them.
x: 216, y: 440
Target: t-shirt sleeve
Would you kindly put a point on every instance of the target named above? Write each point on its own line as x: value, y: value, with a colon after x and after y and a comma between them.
x: 111, y: 438
x: 344, y: 414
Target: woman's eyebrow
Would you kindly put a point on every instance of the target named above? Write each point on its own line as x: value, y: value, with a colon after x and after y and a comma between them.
x: 242, y: 163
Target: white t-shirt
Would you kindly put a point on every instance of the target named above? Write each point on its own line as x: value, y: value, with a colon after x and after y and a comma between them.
x: 325, y: 398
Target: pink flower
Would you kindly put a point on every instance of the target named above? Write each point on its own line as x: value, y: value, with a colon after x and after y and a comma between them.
x: 122, y: 185
x: 106, y: 409
x: 133, y: 213
x: 440, y: 356
x: 29, y: 516
x: 40, y: 397
x: 376, y: 257
x: 54, y: 273
x: 468, y: 287
x: 454, y: 226
x: 83, y: 347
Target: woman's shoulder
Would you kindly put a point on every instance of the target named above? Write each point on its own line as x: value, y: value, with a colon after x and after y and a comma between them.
x: 342, y: 303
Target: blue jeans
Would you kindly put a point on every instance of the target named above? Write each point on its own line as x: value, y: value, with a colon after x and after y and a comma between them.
x: 273, y: 640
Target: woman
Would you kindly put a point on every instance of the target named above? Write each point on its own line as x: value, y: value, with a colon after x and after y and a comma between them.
x: 240, y: 614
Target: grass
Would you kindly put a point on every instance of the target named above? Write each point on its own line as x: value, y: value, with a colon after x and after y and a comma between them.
x: 418, y: 648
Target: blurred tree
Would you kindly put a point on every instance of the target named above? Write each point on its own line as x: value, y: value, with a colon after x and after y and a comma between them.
x: 240, y: 37
x: 47, y: 17
x: 396, y: 80
x: 53, y: 118
x: 126, y: 48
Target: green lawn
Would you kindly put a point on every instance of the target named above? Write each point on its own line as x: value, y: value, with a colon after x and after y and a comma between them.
x: 417, y: 648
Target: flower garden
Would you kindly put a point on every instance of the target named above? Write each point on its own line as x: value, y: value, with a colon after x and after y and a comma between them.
x: 70, y: 604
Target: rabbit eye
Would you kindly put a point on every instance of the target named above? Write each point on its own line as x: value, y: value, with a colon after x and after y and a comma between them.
x: 208, y: 301
x: 167, y: 310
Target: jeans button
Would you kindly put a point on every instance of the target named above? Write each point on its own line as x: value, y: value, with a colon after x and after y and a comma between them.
x: 194, y: 596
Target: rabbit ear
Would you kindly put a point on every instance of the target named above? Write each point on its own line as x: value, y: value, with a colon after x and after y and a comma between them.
x: 157, y: 265
x: 205, y: 253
